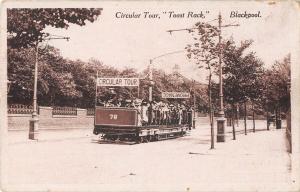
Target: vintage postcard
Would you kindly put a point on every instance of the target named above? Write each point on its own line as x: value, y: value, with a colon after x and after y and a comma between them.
x: 150, y: 95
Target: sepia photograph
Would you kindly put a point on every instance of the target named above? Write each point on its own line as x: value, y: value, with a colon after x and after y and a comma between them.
x: 150, y: 96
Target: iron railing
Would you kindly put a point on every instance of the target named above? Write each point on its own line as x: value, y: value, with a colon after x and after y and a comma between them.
x: 90, y: 112
x: 19, y: 109
x: 64, y: 111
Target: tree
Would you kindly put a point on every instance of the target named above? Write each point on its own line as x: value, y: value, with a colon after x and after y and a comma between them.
x: 242, y: 76
x: 276, y: 97
x: 20, y: 66
x: 54, y: 78
x: 25, y: 26
x: 205, y: 53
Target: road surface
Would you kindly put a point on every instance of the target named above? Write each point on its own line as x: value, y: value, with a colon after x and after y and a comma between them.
x: 72, y: 160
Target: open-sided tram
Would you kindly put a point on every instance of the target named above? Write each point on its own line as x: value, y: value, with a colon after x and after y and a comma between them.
x: 121, y: 124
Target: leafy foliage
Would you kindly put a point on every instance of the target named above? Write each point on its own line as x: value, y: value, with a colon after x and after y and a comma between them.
x: 64, y: 82
x: 25, y: 26
x: 276, y: 91
x: 242, y: 73
x: 204, y: 51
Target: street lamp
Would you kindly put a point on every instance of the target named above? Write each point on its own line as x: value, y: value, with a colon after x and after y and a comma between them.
x: 221, y: 118
x: 33, y: 122
x: 151, y: 80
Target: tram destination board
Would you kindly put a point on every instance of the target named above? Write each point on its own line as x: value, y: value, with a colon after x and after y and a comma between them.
x: 116, y: 116
x: 175, y: 95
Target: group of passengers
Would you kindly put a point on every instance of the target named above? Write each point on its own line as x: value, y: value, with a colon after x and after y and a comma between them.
x: 156, y: 113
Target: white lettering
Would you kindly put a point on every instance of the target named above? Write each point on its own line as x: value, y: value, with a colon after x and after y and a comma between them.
x: 111, y: 82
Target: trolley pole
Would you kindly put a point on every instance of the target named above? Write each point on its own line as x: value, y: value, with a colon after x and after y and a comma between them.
x: 34, y: 121
x: 151, y: 70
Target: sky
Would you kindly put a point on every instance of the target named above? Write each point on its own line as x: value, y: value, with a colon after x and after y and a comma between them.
x: 123, y: 42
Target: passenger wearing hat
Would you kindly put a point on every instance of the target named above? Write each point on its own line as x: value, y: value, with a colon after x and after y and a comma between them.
x: 128, y: 103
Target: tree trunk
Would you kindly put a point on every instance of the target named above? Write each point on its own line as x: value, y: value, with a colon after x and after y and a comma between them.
x: 212, y: 130
x: 245, y: 117
x: 233, y: 126
x: 276, y: 116
x: 268, y: 121
x: 253, y: 119
x: 211, y: 112
x: 237, y: 114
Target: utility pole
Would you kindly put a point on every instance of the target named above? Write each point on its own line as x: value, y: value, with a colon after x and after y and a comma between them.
x: 34, y: 121
x: 253, y: 119
x: 238, y: 114
x: 151, y: 80
x: 221, y: 118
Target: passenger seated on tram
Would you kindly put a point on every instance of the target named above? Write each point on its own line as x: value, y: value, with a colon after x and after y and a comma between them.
x: 109, y: 103
x: 100, y: 103
x: 127, y: 103
x: 119, y: 102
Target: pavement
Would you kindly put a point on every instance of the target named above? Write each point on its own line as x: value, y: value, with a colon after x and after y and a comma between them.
x: 71, y: 160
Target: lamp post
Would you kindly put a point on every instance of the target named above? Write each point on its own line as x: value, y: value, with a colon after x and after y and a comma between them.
x: 221, y: 118
x: 33, y: 122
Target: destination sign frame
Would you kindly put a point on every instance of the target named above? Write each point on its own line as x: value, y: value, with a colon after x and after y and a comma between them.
x: 118, y: 82
x: 175, y: 95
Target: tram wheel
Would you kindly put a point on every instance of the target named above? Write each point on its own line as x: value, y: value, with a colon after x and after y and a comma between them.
x: 146, y: 140
x: 181, y: 133
x: 138, y: 140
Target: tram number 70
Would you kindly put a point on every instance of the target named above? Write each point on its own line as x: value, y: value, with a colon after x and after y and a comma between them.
x: 113, y: 116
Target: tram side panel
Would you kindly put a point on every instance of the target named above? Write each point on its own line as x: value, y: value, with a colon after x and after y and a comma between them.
x: 114, y: 117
